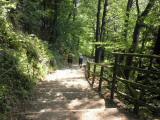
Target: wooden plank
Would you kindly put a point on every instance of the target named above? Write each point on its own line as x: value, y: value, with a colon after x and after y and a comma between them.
x: 114, y: 78
x: 106, y: 79
x: 88, y: 69
x: 96, y: 74
x: 151, y: 89
x: 94, y: 70
x: 137, y: 55
x: 139, y: 69
x: 142, y: 103
x: 101, y: 64
x: 115, y: 66
x: 100, y: 81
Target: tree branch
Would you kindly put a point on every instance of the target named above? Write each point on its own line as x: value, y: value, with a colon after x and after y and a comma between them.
x: 147, y: 9
x: 138, y: 9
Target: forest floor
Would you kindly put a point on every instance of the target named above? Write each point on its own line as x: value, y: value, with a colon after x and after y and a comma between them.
x: 67, y: 95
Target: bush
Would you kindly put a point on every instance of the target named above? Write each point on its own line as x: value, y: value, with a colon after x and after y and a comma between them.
x: 24, y: 59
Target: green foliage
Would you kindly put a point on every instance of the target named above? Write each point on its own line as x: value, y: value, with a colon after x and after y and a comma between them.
x: 24, y: 59
x: 68, y: 28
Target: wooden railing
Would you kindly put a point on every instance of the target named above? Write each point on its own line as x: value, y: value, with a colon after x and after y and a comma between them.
x: 93, y: 74
x: 139, y: 89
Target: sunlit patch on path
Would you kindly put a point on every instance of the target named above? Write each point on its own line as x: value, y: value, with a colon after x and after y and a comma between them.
x: 66, y: 95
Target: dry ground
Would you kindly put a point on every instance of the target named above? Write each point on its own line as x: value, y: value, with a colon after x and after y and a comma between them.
x: 66, y: 95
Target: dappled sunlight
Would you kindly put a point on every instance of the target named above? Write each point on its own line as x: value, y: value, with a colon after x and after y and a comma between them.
x: 66, y: 95
x: 64, y: 74
x: 89, y: 114
x: 80, y: 84
x: 86, y: 104
x: 70, y: 78
x: 45, y: 110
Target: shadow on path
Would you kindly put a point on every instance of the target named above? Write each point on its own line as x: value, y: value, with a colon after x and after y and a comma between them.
x: 66, y: 95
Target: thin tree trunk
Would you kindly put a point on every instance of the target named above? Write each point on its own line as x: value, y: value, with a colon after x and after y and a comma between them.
x: 138, y: 9
x: 74, y: 9
x: 143, y: 41
x: 100, y: 50
x: 103, y: 27
x: 156, y: 49
x: 98, y: 21
x: 43, y: 23
x: 56, y: 2
x: 126, y: 23
x: 97, y: 30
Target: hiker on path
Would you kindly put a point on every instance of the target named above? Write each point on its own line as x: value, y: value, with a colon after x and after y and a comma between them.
x: 80, y: 60
x: 70, y: 60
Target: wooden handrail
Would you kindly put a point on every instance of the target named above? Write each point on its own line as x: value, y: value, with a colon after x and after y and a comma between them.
x: 141, y: 86
x: 138, y: 101
x: 137, y: 55
x: 139, y: 69
x: 116, y: 77
x: 101, y: 64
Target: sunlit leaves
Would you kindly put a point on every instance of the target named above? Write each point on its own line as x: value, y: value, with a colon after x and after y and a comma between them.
x: 24, y: 59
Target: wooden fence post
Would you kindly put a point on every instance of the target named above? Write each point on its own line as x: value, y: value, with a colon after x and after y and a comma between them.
x: 88, y: 69
x: 114, y: 77
x: 151, y: 62
x: 94, y: 71
x: 101, y: 78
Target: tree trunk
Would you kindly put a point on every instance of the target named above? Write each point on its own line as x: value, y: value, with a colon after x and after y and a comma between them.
x: 100, y: 32
x: 103, y: 27
x: 99, y: 53
x: 138, y: 26
x: 126, y: 23
x: 156, y: 49
x: 97, y: 30
x: 56, y: 2
x: 143, y: 41
x: 133, y: 48
x: 74, y: 9
x: 136, y: 33
x: 98, y: 21
x: 137, y: 5
x: 43, y: 22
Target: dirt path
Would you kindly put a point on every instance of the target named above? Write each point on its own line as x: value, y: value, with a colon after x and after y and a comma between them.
x: 66, y: 95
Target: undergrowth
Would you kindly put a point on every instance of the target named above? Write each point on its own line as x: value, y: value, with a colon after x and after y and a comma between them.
x: 24, y: 59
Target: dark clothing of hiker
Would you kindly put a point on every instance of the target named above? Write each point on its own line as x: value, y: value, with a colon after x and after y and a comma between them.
x: 80, y: 61
x: 70, y: 59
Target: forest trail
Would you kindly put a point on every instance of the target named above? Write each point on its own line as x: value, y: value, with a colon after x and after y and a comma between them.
x: 66, y: 95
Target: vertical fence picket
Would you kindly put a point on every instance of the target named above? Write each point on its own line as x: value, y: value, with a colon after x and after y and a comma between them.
x: 88, y: 69
x: 94, y: 72
x: 100, y: 81
x: 118, y: 78
x: 114, y: 77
